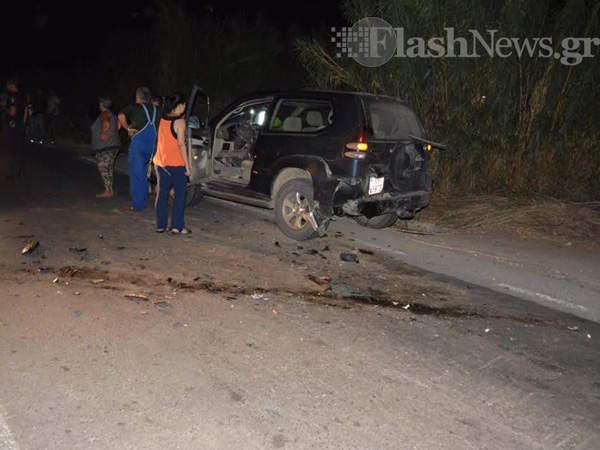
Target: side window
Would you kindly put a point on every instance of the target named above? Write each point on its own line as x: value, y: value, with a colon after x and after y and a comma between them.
x: 301, y: 116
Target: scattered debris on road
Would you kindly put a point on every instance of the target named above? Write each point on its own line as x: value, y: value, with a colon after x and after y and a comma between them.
x: 349, y: 257
x: 179, y: 284
x: 322, y: 282
x: 98, y: 281
x: 275, y: 312
x: 30, y: 247
x: 69, y: 272
x: 159, y: 301
x: 137, y: 297
x: 77, y: 249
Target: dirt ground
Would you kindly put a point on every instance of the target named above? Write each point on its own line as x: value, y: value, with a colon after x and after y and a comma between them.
x: 545, y: 220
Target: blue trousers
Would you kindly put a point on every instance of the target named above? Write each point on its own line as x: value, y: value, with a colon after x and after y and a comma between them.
x: 140, y: 152
x: 170, y: 177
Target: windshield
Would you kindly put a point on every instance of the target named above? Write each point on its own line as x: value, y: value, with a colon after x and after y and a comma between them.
x: 393, y: 120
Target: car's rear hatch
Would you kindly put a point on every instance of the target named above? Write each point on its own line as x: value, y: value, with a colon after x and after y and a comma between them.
x: 397, y: 157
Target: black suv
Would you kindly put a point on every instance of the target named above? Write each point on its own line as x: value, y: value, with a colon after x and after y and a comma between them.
x: 311, y: 155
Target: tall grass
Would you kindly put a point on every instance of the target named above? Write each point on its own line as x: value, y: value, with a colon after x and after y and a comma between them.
x: 520, y: 125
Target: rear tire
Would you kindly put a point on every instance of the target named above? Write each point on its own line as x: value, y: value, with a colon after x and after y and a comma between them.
x: 194, y: 195
x: 377, y: 222
x: 293, y: 202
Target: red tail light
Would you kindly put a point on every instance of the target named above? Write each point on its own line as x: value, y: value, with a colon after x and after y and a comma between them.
x: 358, y: 146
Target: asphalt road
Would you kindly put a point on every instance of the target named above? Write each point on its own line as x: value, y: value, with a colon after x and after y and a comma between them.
x: 559, y: 277
x: 112, y: 336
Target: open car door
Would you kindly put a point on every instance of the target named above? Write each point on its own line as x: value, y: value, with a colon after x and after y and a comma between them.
x: 198, y: 135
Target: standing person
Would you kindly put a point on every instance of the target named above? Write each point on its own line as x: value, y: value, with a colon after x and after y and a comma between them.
x: 15, y: 114
x: 52, y: 115
x: 106, y: 144
x: 157, y: 100
x: 140, y: 120
x: 35, y: 126
x: 172, y: 166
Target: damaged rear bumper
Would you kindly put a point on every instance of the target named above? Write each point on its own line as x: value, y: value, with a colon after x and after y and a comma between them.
x: 403, y: 204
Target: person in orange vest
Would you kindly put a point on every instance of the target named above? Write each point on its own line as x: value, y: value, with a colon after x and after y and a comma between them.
x: 172, y: 166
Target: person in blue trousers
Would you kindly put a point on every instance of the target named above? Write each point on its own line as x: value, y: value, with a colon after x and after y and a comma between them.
x: 140, y: 120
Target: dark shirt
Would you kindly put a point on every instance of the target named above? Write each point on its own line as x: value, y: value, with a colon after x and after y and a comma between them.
x: 136, y: 117
x: 14, y: 123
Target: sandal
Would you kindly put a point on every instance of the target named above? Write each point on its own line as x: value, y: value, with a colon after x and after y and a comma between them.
x: 182, y: 231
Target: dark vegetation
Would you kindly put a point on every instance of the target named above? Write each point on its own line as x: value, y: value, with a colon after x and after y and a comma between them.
x: 517, y: 126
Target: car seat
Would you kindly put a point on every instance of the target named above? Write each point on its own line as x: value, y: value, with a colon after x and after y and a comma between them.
x: 292, y: 124
x: 314, y: 119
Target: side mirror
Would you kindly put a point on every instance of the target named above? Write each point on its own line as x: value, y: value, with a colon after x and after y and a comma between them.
x: 194, y: 123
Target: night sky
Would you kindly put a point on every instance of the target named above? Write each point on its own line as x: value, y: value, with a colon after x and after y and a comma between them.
x: 51, y: 33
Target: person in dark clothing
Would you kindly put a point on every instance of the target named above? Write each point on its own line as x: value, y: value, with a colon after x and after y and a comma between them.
x: 105, y: 144
x: 36, y: 129
x: 140, y: 120
x: 14, y: 114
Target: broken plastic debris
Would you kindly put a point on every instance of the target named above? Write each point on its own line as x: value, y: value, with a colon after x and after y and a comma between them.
x: 349, y: 257
x: 69, y: 272
x: 487, y: 330
x: 30, y: 247
x: 99, y: 280
x: 406, y: 307
x: 277, y: 312
x: 589, y: 336
x: 159, y: 301
x: 55, y: 280
x: 137, y: 297
x: 573, y: 328
x: 257, y: 296
x: 322, y: 282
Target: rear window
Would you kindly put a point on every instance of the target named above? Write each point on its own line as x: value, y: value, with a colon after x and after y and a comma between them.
x: 393, y: 120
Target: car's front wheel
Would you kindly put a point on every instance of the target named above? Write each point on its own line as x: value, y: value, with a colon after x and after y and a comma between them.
x: 383, y: 221
x: 194, y: 195
x: 293, y: 205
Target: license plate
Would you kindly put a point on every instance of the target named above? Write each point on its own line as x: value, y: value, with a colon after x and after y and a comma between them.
x: 375, y: 185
